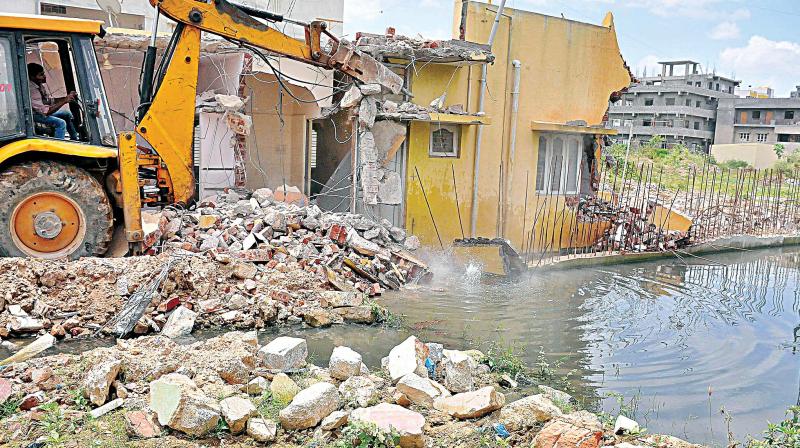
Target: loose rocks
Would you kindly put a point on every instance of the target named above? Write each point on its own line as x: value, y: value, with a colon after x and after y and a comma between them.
x: 344, y: 363
x: 262, y: 430
x: 527, y: 412
x: 310, y: 406
x: 179, y: 404
x: 284, y: 353
x: 387, y: 416
x: 237, y: 411
x: 99, y: 379
x: 471, y: 404
x: 408, y: 357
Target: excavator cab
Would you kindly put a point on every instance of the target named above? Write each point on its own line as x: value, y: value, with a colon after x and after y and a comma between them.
x: 59, y: 195
x: 54, y: 201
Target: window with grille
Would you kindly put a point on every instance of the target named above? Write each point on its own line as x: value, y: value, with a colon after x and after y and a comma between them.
x: 788, y: 115
x: 54, y: 9
x: 744, y: 136
x: 558, y: 163
x: 444, y: 140
x: 761, y: 138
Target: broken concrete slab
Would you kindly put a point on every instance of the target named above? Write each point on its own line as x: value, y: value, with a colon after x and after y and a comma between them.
x: 284, y: 353
x: 310, y: 406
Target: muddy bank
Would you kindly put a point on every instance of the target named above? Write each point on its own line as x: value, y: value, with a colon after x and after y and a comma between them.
x: 232, y: 391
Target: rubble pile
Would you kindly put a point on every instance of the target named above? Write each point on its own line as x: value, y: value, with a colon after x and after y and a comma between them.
x: 390, y: 110
x: 628, y: 228
x: 352, y: 251
x: 394, y: 46
x: 233, y: 262
x: 231, y: 390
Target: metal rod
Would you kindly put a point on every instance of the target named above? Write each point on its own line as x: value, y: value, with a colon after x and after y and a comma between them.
x: 458, y: 205
x: 430, y: 212
x: 524, y: 209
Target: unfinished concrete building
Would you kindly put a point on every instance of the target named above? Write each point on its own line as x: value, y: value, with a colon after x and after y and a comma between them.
x: 679, y: 105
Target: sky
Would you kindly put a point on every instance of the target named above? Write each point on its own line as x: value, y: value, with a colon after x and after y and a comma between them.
x: 754, y: 41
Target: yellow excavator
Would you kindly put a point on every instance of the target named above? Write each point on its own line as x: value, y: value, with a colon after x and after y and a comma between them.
x: 58, y: 197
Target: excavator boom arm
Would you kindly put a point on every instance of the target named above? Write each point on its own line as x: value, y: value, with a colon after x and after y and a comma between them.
x: 239, y: 24
x: 166, y: 119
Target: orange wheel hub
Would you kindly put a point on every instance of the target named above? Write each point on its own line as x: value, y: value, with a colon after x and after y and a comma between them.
x: 48, y: 225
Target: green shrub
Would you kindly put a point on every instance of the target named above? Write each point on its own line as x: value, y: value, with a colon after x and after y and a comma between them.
x: 785, y: 434
x: 358, y: 434
x: 734, y: 164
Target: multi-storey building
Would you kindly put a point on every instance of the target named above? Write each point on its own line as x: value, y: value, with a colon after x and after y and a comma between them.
x: 679, y: 107
x: 758, y: 120
x: 757, y: 130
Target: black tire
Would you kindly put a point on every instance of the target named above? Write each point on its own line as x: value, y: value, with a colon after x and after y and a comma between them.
x: 24, y: 180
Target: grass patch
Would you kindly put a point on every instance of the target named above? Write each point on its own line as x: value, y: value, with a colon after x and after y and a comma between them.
x: 503, y: 358
x: 10, y: 407
x: 269, y: 407
x: 359, y: 434
x: 384, y: 316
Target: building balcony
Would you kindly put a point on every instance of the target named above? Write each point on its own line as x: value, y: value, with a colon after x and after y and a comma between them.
x: 666, y: 130
x: 682, y: 111
x: 681, y: 90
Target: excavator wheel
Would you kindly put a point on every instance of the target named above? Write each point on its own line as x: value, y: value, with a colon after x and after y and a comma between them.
x: 53, y: 210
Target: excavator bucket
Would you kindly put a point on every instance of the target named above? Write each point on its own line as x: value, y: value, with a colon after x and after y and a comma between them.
x: 364, y: 68
x: 496, y: 257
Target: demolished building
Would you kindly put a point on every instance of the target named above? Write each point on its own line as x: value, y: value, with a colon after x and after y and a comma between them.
x: 461, y: 162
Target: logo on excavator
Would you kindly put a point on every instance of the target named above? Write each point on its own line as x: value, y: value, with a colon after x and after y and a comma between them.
x: 5, y: 87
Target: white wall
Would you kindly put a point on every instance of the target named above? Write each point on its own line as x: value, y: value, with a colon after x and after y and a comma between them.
x: 19, y: 7
x: 304, y: 11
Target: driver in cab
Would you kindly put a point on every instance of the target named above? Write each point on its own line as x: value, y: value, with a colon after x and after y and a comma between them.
x: 46, y: 109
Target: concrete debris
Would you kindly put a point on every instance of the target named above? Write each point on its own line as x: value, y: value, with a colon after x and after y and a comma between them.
x: 106, y: 408
x: 185, y: 388
x: 471, y: 404
x: 528, y: 412
x: 180, y: 323
x: 336, y: 420
x: 344, y: 363
x: 393, y: 46
x: 630, y: 228
x: 310, y: 406
x: 358, y: 389
x: 99, y: 379
x: 284, y: 353
x: 237, y: 411
x: 205, y: 277
x: 408, y: 357
x: 262, y: 430
x: 420, y: 391
x: 179, y: 404
x: 388, y: 416
x: 141, y: 425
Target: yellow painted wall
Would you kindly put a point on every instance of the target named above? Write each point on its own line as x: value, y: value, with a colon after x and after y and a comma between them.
x: 569, y: 70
